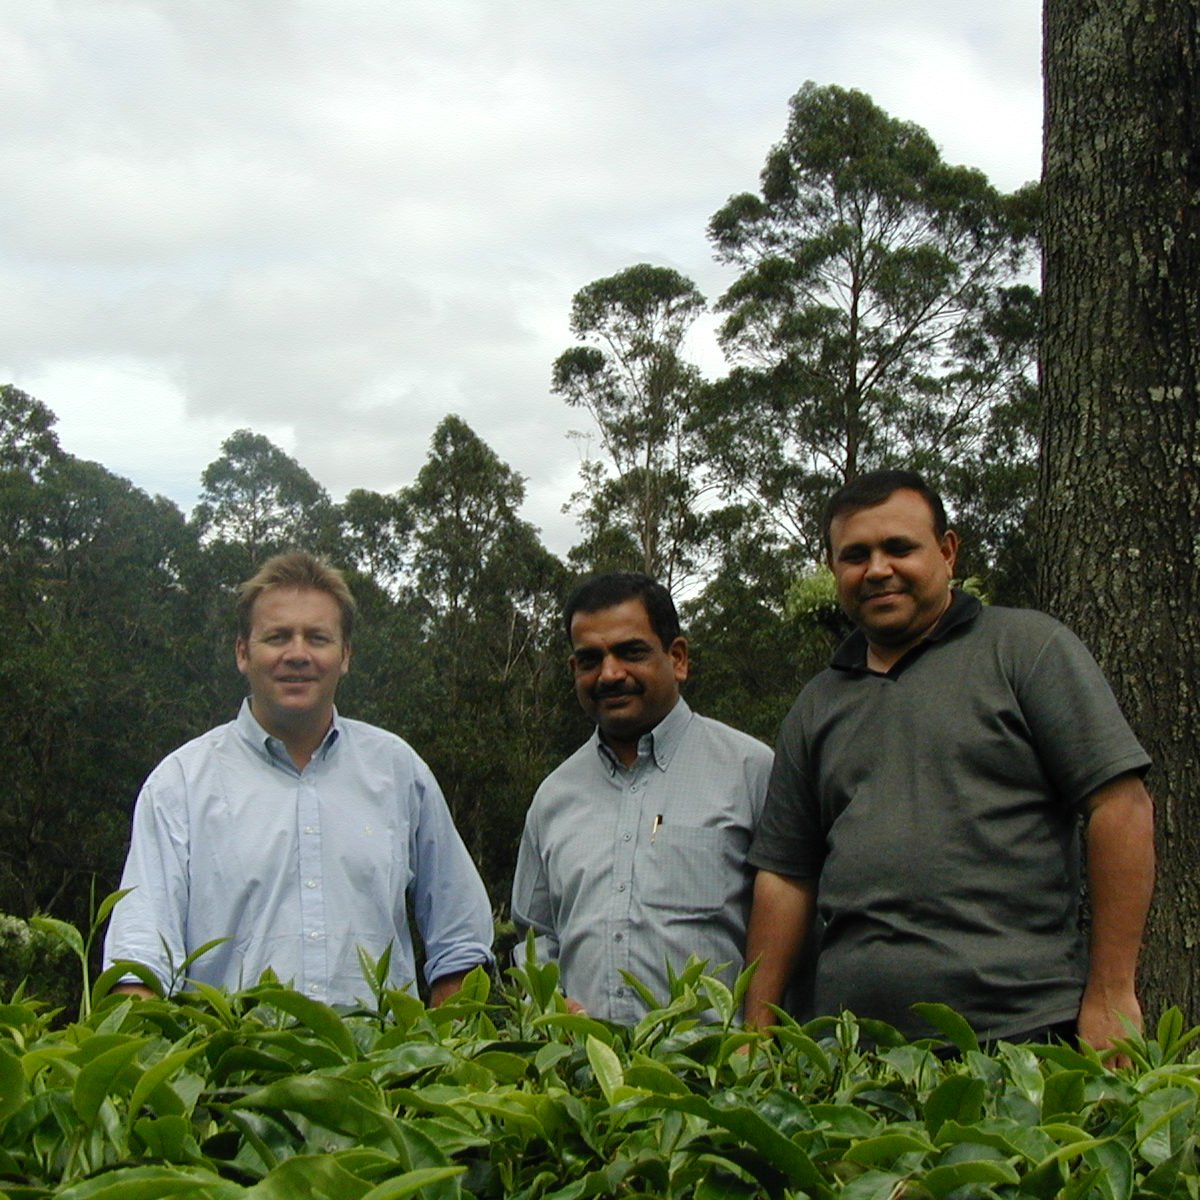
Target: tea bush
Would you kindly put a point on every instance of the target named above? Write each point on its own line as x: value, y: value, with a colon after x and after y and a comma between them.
x: 268, y: 1094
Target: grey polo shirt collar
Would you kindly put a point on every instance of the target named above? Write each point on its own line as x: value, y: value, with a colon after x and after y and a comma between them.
x: 659, y: 745
x: 851, y: 655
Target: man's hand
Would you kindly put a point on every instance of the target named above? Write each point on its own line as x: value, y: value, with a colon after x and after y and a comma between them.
x: 1100, y: 1019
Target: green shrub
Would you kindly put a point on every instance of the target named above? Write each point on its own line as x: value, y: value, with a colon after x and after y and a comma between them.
x: 37, y: 960
x: 270, y: 1095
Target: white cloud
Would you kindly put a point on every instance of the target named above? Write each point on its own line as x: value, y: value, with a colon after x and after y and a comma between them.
x: 336, y: 221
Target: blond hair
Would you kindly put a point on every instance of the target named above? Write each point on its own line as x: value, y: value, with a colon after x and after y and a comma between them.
x: 295, y: 569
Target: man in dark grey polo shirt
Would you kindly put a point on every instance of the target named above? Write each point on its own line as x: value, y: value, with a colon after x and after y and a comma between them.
x: 925, y: 800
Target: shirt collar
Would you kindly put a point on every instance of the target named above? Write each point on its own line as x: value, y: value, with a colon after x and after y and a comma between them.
x: 851, y: 655
x: 660, y: 743
x: 270, y: 747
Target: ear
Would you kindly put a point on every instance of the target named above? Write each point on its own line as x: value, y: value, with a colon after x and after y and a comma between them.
x: 949, y: 549
x: 678, y: 654
x: 346, y: 653
x: 241, y: 652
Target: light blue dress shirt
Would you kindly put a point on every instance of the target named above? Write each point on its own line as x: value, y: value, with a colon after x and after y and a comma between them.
x: 627, y: 868
x: 297, y: 867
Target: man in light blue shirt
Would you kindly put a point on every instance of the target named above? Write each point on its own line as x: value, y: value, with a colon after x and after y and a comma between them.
x: 634, y: 850
x: 293, y: 832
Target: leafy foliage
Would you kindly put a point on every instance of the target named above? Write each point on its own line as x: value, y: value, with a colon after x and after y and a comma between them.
x: 879, y: 316
x: 639, y: 507
x: 504, y: 1093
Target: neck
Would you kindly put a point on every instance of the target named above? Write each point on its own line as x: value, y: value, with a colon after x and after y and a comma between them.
x: 300, y: 740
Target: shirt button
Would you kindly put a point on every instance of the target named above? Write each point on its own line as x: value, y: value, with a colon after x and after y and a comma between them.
x: 315, y: 935
x: 310, y: 883
x: 310, y: 829
x: 617, y: 937
x: 314, y: 988
x: 633, y: 787
x: 620, y: 887
x: 626, y: 836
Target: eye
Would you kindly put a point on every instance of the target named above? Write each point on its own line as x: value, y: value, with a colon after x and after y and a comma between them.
x: 586, y: 661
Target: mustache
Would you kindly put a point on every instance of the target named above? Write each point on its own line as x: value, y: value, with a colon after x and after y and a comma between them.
x: 606, y: 691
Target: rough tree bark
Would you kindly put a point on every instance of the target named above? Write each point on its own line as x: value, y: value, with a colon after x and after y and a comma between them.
x: 1120, y: 471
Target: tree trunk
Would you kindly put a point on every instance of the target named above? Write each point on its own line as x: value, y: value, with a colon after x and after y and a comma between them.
x: 1120, y: 471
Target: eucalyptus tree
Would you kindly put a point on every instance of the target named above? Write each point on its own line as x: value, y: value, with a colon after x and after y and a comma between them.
x: 639, y: 502
x: 256, y: 500
x: 480, y: 697
x: 879, y: 316
x: 100, y: 673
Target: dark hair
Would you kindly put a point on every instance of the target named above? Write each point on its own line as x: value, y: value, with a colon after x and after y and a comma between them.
x: 295, y: 569
x: 874, y: 487
x: 607, y: 591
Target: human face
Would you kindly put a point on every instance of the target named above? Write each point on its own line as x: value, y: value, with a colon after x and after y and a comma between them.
x: 625, y: 679
x: 293, y: 659
x: 892, y: 570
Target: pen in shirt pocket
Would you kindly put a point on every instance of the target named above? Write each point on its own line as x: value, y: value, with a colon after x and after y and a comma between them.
x: 654, y: 828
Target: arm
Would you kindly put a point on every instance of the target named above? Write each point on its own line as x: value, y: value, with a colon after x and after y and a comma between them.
x: 450, y: 903
x: 780, y: 919
x: 156, y: 869
x: 133, y: 989
x: 531, y: 907
x: 1120, y: 863
x: 442, y: 989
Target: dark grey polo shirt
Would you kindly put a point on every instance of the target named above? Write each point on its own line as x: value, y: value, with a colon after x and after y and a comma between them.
x: 937, y: 806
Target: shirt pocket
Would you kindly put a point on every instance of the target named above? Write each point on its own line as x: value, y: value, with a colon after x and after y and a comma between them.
x: 694, y: 868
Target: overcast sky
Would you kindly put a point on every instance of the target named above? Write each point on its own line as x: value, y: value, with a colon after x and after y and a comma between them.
x: 336, y: 221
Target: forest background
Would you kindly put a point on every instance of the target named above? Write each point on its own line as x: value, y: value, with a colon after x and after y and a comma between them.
x: 883, y: 313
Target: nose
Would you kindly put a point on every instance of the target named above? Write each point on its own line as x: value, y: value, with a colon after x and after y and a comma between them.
x: 879, y: 565
x: 297, y: 649
x: 611, y: 668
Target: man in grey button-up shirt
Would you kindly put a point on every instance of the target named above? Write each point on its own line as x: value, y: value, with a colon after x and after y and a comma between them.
x: 634, y: 849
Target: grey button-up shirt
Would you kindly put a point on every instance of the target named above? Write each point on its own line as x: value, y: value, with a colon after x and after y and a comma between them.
x: 629, y: 868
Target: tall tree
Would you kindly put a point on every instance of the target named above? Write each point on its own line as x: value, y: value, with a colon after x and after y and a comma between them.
x: 479, y: 700
x: 631, y: 377
x: 100, y: 669
x: 1120, y: 472
x: 255, y: 500
x: 879, y: 313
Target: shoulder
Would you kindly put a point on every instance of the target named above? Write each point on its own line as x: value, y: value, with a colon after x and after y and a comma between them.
x: 583, y: 761
x: 817, y: 694
x: 375, y: 739
x: 1017, y: 622
x: 729, y: 740
x: 1027, y: 634
x: 581, y: 769
x: 192, y: 754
